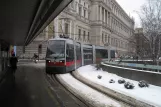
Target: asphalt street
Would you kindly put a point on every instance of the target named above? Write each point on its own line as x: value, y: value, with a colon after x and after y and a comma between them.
x: 32, y: 89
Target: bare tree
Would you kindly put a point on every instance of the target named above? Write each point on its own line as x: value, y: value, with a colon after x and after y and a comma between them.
x: 150, y: 16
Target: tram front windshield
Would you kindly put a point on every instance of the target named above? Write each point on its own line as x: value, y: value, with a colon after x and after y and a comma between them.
x: 56, y: 49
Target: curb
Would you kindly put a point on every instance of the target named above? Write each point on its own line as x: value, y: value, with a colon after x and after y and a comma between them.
x: 116, y: 95
x: 88, y: 101
x: 69, y: 88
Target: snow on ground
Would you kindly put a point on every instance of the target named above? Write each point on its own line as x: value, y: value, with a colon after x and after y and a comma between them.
x: 88, y: 93
x: 151, y: 95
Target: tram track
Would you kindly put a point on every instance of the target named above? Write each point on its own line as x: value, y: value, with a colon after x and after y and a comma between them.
x: 86, y: 100
x: 65, y: 97
x: 80, y: 102
x: 124, y: 104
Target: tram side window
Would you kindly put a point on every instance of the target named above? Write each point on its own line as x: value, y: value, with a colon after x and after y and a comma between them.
x: 112, y: 54
x: 104, y: 53
x: 70, y: 52
x: 88, y: 53
x: 98, y: 53
x: 101, y: 53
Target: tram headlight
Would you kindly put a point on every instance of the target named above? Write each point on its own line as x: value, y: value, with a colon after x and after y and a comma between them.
x: 62, y: 61
x: 49, y: 61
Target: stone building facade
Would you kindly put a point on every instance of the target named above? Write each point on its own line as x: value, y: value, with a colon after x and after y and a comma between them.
x: 99, y: 22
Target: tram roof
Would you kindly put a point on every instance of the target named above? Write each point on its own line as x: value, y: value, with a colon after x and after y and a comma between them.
x: 100, y: 47
x: 64, y: 39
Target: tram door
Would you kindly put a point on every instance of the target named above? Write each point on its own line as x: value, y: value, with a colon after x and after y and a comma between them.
x: 78, y: 55
x: 88, y: 55
x: 70, y: 57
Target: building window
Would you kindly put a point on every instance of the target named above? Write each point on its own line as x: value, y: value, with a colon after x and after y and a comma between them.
x: 84, y: 35
x: 66, y: 28
x: 111, y: 41
x: 80, y: 11
x: 79, y: 34
x: 79, y: 1
x: 102, y: 14
x: 102, y: 37
x: 84, y: 13
x: 106, y: 38
x: 106, y: 16
x: 88, y: 35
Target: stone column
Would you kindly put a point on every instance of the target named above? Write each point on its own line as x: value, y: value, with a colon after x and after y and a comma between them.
x: 74, y: 30
x: 110, y: 20
x: 56, y: 26
x: 107, y: 17
x: 100, y: 13
x: 97, y: 8
x: 104, y: 15
x: 82, y: 14
x: 70, y: 29
x: 62, y: 25
x: 77, y: 8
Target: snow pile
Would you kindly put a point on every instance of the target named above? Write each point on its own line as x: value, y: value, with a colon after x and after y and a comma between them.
x: 129, y: 85
x: 111, y: 81
x: 143, y: 84
x: 90, y: 95
x: 151, y: 94
x: 121, y: 81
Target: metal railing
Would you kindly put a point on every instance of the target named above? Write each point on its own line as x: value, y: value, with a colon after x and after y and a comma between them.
x: 135, y: 66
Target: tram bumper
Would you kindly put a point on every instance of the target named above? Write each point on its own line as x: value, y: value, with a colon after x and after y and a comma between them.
x: 55, y: 69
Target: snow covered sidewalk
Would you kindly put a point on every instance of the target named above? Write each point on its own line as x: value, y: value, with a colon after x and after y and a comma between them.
x: 90, y: 96
x: 151, y: 95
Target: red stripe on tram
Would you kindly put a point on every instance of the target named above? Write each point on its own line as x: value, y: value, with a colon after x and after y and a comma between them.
x: 62, y: 63
x: 56, y: 64
x: 98, y: 59
x: 72, y: 62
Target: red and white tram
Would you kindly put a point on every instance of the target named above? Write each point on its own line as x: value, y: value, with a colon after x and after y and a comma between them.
x: 65, y: 55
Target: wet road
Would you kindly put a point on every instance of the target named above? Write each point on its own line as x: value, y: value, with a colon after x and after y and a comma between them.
x: 33, y: 89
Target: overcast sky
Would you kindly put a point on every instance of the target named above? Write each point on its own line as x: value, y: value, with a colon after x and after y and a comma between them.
x: 130, y: 6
